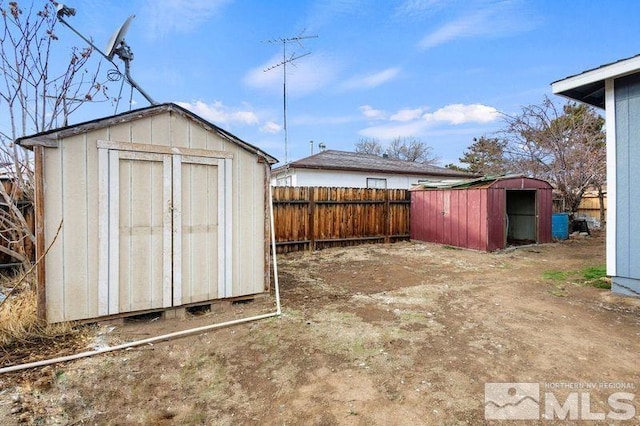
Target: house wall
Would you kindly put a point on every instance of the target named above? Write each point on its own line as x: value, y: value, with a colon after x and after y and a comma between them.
x: 71, y: 181
x: 346, y: 179
x: 627, y: 191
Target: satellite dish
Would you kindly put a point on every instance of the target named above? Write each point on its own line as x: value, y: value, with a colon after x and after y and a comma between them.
x: 118, y: 37
x: 116, y: 46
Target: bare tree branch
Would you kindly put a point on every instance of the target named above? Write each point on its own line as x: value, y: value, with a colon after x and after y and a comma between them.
x: 38, y: 91
x: 400, y: 148
x: 565, y: 146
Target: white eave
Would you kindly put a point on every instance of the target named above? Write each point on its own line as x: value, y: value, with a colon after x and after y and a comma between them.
x: 588, y: 87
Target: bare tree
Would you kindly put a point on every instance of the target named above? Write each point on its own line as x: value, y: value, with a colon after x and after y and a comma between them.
x: 400, y: 148
x: 35, y: 96
x: 565, y: 146
x: 369, y: 146
x: 411, y: 149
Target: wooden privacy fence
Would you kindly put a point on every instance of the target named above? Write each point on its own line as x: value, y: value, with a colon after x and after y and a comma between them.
x: 10, y: 236
x: 313, y: 218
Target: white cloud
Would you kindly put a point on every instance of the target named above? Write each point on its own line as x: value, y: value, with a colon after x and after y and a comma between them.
x: 325, y: 12
x: 417, y: 8
x: 220, y: 114
x: 390, y: 131
x: 369, y: 81
x: 413, y: 123
x: 407, y: 114
x: 372, y: 113
x: 270, y: 127
x: 306, y: 75
x: 493, y: 20
x: 460, y: 114
x: 315, y: 120
x: 167, y: 16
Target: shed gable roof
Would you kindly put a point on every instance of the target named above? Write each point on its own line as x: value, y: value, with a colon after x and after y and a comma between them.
x: 50, y: 137
x: 353, y: 161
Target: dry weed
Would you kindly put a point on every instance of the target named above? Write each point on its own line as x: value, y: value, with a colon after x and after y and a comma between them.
x: 22, y: 333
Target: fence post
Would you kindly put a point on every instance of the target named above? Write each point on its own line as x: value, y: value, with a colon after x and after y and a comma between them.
x: 41, y: 288
x: 312, y: 224
x: 387, y: 217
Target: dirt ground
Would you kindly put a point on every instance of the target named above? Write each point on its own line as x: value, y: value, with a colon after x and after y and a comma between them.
x: 400, y: 334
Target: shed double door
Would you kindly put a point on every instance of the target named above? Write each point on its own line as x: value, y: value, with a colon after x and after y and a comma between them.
x: 168, y: 216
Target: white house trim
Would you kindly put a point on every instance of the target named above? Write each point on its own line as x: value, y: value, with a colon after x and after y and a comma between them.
x: 610, y: 111
x: 616, y: 69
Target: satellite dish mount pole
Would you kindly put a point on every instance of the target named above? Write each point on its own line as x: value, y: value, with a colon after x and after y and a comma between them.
x: 124, y: 52
x: 116, y: 46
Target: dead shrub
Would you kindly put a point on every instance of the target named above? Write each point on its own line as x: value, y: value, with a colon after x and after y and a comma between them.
x: 20, y: 328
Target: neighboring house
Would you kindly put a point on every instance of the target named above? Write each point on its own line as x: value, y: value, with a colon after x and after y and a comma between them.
x: 615, y: 87
x: 351, y: 169
x: 147, y: 210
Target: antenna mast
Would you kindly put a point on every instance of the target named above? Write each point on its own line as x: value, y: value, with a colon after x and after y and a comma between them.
x: 297, y: 39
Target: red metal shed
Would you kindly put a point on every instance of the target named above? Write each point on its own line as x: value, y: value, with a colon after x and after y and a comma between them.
x: 483, y: 214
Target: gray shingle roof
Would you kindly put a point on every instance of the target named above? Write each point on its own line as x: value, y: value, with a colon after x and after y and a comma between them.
x: 353, y: 161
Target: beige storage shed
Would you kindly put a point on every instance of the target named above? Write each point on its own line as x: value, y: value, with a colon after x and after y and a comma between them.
x: 147, y: 210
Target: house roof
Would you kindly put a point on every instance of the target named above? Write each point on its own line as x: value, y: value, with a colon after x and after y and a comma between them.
x: 50, y: 138
x: 588, y: 86
x: 353, y: 161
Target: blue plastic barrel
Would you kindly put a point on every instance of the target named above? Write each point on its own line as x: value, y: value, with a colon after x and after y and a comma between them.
x: 560, y: 226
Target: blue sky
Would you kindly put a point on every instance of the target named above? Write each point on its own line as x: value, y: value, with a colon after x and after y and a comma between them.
x: 440, y: 71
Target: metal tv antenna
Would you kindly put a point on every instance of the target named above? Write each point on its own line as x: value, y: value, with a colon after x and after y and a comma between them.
x: 288, y: 60
x: 116, y: 46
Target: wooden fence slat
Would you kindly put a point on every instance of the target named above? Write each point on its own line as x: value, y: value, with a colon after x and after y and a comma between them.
x: 311, y: 218
x: 311, y: 214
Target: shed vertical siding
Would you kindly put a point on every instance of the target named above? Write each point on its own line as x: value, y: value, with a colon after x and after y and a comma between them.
x: 496, y: 219
x: 627, y: 113
x: 545, y: 208
x: 458, y: 214
x: 474, y: 217
x: 140, y: 234
x: 200, y: 232
x: 544, y: 202
x: 453, y: 217
x: 53, y: 218
x: 74, y: 231
x: 71, y: 194
x: 478, y: 222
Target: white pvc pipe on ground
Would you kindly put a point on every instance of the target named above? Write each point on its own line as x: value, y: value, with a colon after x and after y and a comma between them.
x: 273, y: 250
x: 134, y: 343
x: 173, y: 335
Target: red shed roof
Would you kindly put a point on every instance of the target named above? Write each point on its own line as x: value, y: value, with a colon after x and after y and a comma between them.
x: 505, y: 181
